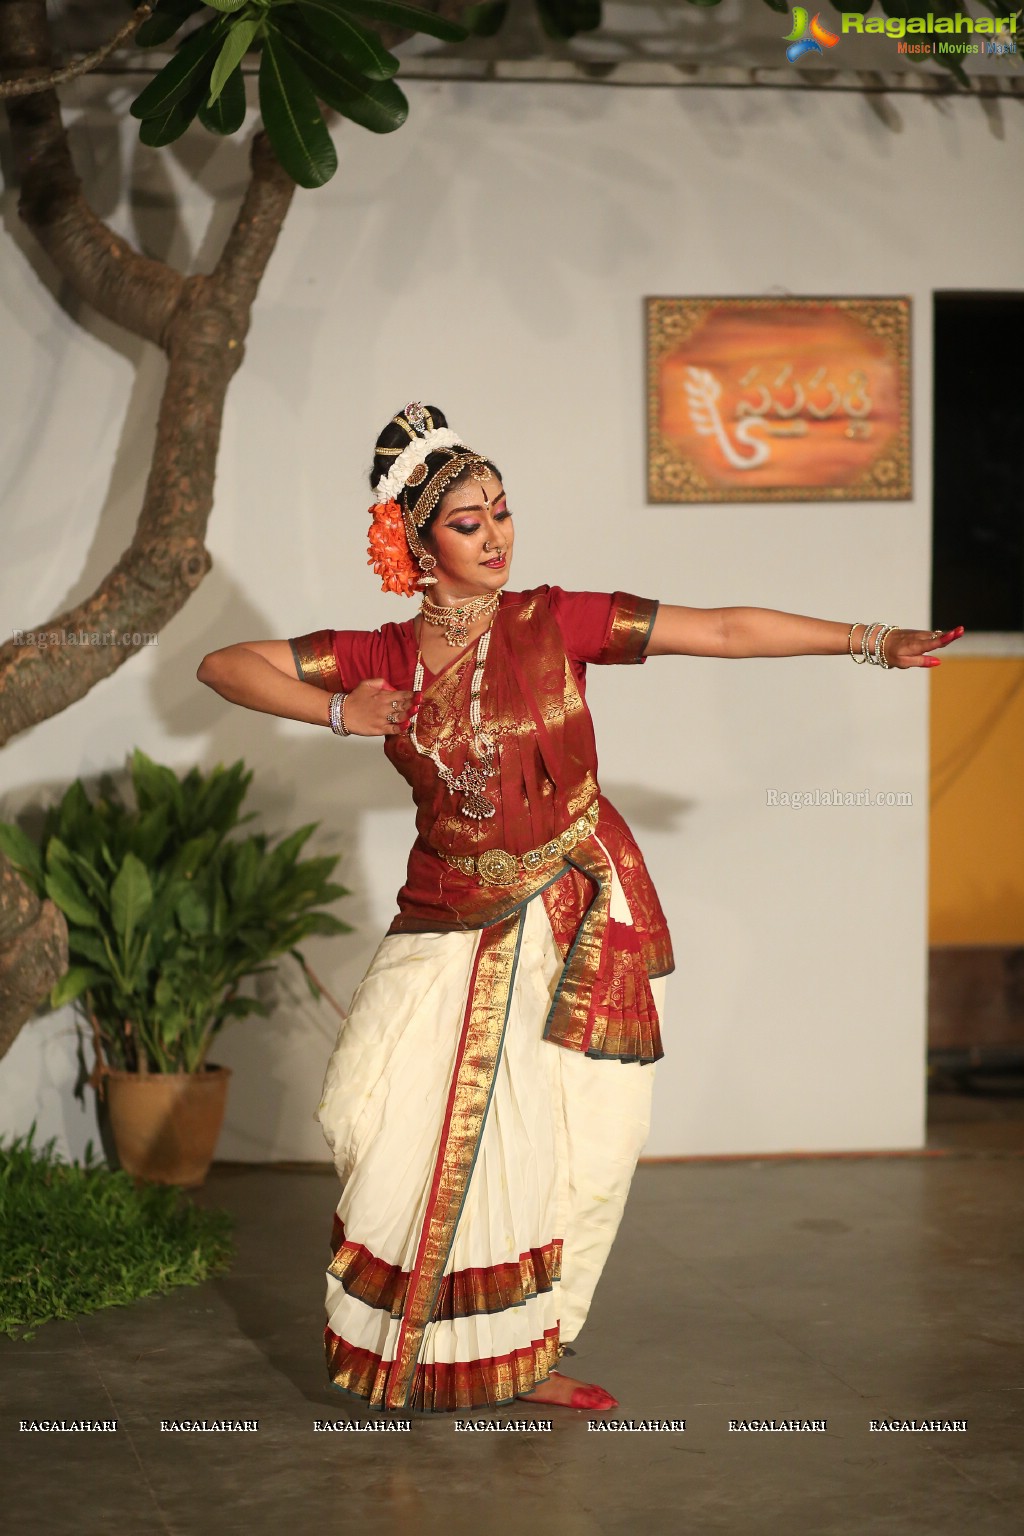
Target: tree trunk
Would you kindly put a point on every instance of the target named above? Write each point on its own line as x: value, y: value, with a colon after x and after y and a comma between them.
x: 200, y: 321
x: 33, y: 952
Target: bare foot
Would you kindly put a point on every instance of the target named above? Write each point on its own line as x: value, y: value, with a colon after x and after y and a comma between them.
x: 569, y: 1393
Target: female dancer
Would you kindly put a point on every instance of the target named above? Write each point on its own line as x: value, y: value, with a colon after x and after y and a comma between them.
x: 489, y: 1093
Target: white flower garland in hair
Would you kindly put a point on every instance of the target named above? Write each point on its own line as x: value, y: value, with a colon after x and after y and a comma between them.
x: 416, y: 453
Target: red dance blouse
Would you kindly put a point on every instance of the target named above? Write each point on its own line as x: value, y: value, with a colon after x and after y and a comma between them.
x: 533, y: 706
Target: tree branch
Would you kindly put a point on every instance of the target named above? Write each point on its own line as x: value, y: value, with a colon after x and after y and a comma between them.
x: 26, y: 84
x: 200, y: 322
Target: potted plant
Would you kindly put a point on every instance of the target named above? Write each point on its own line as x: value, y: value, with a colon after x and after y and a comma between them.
x: 167, y: 916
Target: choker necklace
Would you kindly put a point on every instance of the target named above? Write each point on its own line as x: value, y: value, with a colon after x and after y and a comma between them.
x: 455, y: 618
x: 471, y: 782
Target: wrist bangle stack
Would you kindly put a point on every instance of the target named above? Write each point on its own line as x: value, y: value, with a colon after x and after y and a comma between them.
x: 338, y: 725
x: 882, y: 631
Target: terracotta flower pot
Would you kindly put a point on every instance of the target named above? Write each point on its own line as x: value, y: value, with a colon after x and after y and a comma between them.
x: 166, y: 1124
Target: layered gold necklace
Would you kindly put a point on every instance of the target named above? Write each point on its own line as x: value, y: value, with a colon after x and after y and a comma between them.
x: 456, y: 618
x: 471, y: 783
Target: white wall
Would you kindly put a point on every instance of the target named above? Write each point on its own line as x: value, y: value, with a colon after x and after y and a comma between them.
x: 492, y: 257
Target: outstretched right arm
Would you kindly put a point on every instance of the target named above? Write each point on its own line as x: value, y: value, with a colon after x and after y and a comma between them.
x: 261, y: 675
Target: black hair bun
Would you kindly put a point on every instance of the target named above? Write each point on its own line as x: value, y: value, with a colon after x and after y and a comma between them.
x: 396, y: 436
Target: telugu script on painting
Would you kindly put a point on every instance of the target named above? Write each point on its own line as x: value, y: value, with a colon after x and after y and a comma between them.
x: 781, y: 399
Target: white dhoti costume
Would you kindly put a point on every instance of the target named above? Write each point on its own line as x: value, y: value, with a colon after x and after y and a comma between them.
x: 555, y: 1151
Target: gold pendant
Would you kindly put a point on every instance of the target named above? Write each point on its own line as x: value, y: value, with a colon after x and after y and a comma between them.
x: 474, y: 801
x: 477, y: 806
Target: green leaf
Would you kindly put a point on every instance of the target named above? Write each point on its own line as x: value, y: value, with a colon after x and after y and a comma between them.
x: 193, y: 854
x: 240, y: 1007
x: 75, y: 820
x: 69, y: 899
x: 73, y: 983
x: 227, y: 6
x: 62, y: 885
x: 23, y: 854
x: 363, y: 49
x: 148, y: 837
x: 292, y: 117
x: 90, y: 947
x: 215, y: 802
x: 164, y: 994
x: 375, y: 104
x: 485, y: 19
x: 193, y: 911
x: 178, y: 79
x: 166, y: 21
x: 243, y: 875
x: 413, y: 16
x: 94, y: 883
x: 285, y: 854
x: 153, y: 783
x: 108, y: 858
x: 233, y: 50
x: 324, y: 922
x: 155, y: 132
x: 221, y: 910
x: 131, y: 897
x: 227, y: 114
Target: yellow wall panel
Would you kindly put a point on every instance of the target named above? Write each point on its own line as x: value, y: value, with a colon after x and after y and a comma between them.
x: 976, y: 874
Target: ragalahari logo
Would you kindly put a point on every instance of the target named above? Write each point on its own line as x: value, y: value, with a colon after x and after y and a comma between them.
x: 798, y: 40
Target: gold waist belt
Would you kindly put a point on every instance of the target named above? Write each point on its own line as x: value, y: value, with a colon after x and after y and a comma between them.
x: 496, y: 867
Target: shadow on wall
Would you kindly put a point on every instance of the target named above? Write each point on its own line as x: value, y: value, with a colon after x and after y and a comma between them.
x: 645, y: 807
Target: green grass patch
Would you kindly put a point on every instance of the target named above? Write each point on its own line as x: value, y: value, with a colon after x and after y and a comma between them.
x: 78, y: 1237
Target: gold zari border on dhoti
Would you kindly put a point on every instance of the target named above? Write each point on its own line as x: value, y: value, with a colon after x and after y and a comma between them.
x: 477, y: 1056
x: 444, y: 1387
x: 490, y: 1288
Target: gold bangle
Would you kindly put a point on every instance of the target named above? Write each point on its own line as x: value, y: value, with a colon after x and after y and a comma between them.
x: 866, y: 643
x: 890, y: 629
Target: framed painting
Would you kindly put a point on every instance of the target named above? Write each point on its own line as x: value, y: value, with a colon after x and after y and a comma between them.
x: 778, y: 399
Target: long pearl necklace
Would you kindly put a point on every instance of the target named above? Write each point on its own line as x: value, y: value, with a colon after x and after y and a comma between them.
x: 471, y: 782
x: 456, y: 618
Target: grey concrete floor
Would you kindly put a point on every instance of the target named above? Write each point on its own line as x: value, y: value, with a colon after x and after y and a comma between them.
x: 846, y: 1289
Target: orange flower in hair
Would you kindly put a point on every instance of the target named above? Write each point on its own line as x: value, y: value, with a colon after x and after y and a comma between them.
x: 389, y: 550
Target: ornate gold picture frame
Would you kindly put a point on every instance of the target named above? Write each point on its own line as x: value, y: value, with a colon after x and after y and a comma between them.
x: 779, y: 399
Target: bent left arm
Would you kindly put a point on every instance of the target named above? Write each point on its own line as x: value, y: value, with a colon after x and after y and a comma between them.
x: 745, y: 632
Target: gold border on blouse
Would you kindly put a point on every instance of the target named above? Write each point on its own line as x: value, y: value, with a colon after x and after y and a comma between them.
x: 313, y: 655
